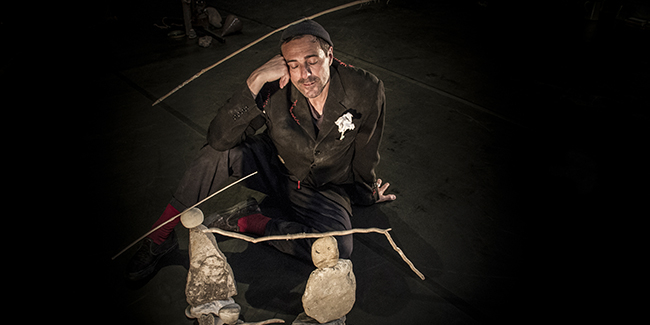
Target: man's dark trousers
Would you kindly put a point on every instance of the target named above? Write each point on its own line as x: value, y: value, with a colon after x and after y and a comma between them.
x: 303, y: 208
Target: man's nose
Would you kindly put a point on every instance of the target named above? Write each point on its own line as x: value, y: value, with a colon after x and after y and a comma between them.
x: 306, y: 72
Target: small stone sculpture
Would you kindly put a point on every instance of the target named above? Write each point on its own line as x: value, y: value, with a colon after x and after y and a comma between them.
x: 210, y: 280
x: 331, y: 288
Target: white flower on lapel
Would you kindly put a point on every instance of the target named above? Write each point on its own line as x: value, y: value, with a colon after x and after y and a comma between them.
x: 344, y: 123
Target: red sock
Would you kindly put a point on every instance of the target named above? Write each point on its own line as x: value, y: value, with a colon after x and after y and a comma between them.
x: 253, y: 224
x: 161, y: 234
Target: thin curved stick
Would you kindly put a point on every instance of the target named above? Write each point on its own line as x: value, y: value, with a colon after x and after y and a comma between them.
x: 265, y: 322
x: 180, y: 214
x: 320, y: 235
x: 255, y: 42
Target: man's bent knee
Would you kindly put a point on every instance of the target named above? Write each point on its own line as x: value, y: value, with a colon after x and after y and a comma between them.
x: 345, y: 246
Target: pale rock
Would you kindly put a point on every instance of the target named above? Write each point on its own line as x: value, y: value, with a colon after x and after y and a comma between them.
x: 325, y: 252
x: 192, y: 218
x: 330, y: 292
x: 230, y: 314
x: 210, y: 277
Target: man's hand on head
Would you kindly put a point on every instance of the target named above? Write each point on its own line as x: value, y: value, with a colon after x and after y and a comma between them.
x: 274, y: 69
x: 381, y: 190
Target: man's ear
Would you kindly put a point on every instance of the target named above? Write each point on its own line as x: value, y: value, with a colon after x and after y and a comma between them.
x: 330, y: 54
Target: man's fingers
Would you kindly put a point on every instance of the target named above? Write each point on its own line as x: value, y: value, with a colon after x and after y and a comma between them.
x: 386, y: 198
x: 382, y: 189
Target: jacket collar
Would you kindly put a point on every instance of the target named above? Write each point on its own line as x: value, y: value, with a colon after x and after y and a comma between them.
x: 333, y: 109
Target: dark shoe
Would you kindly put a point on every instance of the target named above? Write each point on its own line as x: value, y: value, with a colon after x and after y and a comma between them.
x: 143, y: 263
x: 227, y: 220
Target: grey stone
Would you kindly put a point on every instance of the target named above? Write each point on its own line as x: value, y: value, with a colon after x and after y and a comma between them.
x: 205, y: 41
x: 207, y: 320
x: 330, y: 292
x: 213, y: 17
x: 212, y: 307
x: 210, y: 277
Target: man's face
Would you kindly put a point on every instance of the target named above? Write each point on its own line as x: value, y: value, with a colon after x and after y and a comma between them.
x: 309, y: 65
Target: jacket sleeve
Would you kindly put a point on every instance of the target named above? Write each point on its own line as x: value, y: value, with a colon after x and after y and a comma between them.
x: 235, y: 120
x: 366, y: 155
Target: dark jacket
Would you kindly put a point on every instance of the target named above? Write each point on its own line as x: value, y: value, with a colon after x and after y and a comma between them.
x: 315, y: 161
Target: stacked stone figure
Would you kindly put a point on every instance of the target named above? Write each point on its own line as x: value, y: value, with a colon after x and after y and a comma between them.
x: 329, y: 294
x: 210, y: 280
x: 330, y: 291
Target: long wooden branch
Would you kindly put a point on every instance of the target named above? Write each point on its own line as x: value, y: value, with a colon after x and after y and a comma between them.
x: 320, y: 235
x: 255, y: 42
x: 180, y: 214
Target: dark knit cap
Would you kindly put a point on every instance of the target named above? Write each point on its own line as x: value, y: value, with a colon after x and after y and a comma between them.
x: 307, y: 27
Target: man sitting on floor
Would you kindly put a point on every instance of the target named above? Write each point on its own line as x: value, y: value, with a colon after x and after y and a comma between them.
x: 315, y: 158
